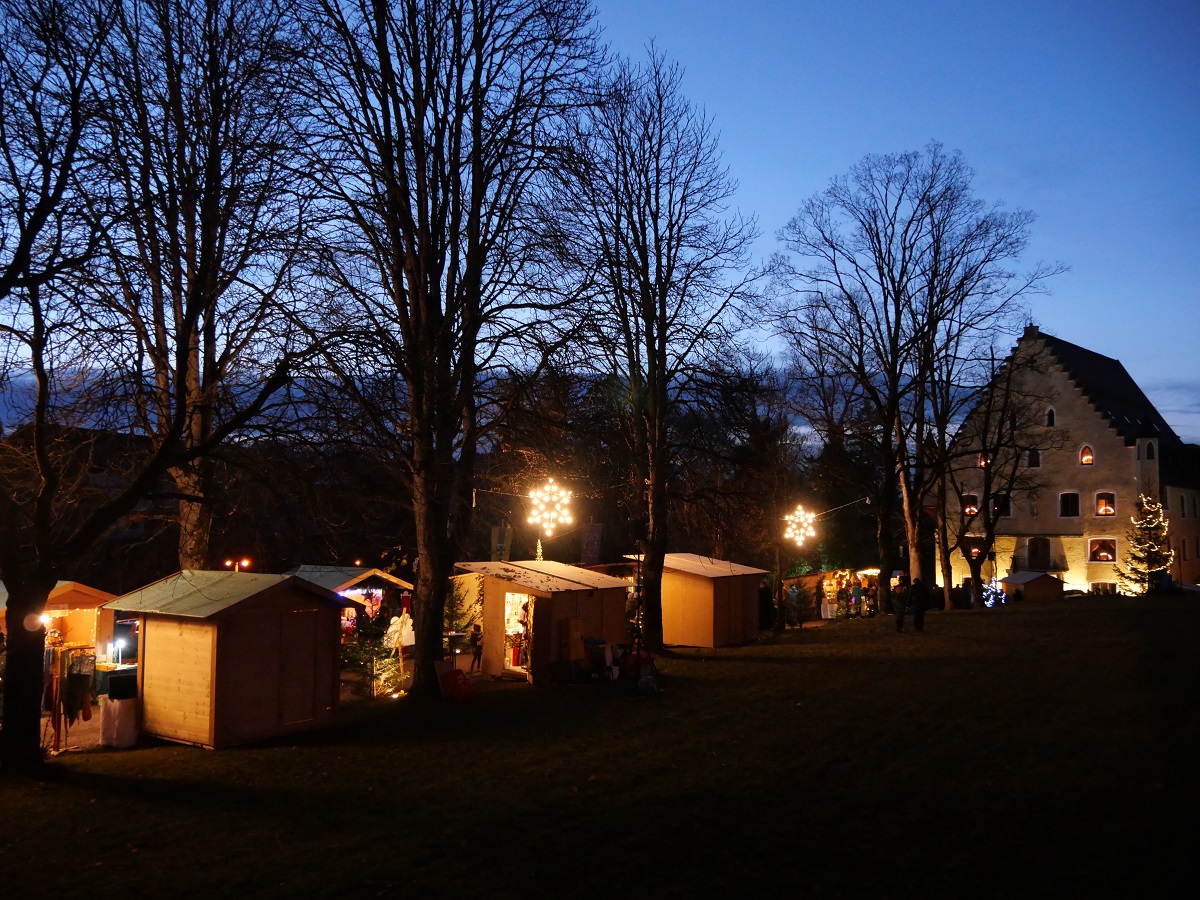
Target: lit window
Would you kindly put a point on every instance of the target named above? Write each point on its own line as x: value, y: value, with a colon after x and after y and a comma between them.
x: 1001, y: 505
x: 970, y: 504
x: 1085, y: 456
x: 1106, y: 504
x: 1068, y: 505
x: 1103, y: 587
x: 1049, y: 418
x: 1102, y: 550
x: 1035, y: 458
x: 985, y: 460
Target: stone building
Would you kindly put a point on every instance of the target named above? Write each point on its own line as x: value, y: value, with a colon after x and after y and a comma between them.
x: 1067, y: 508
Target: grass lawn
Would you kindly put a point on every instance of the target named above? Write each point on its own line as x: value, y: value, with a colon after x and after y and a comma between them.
x: 1031, y: 750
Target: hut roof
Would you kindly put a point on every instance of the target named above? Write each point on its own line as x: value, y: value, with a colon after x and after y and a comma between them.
x: 1025, y: 577
x: 200, y: 594
x: 545, y: 576
x: 339, y: 578
x: 68, y: 595
x: 695, y: 564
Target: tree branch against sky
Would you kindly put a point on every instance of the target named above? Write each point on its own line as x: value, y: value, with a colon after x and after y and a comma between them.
x: 645, y: 235
x: 891, y: 269
x: 203, y: 150
x: 436, y: 119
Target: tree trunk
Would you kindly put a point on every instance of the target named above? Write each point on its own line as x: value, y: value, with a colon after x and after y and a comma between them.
x: 20, y: 738
x: 195, y: 518
x: 432, y: 581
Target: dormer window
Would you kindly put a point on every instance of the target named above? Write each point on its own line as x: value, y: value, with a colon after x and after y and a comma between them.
x: 1049, y: 418
x: 1106, y: 504
x: 1086, y: 457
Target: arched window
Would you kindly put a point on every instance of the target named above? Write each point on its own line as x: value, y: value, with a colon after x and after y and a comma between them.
x: 1038, y: 553
x: 1149, y: 451
x: 1086, y: 458
x: 1049, y: 418
x: 1035, y: 458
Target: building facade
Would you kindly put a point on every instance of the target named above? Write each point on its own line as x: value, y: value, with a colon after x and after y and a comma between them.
x: 1069, y: 509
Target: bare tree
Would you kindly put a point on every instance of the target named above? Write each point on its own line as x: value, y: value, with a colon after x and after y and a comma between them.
x: 80, y: 452
x: 899, y: 268
x: 202, y: 127
x: 47, y: 109
x: 983, y: 464
x: 437, y: 120
x: 646, y: 238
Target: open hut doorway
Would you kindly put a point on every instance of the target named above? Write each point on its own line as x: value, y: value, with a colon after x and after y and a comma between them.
x: 518, y: 636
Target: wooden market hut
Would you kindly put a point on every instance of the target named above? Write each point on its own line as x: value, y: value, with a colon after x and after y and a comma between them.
x: 230, y: 657
x: 75, y: 613
x: 352, y: 582
x: 709, y: 602
x: 1032, y: 586
x: 566, y: 605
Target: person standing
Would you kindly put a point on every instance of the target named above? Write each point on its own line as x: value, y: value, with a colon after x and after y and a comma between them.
x: 476, y: 642
x: 918, y: 596
x: 900, y: 600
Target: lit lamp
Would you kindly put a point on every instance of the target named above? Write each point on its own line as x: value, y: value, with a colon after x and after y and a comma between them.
x: 237, y: 564
x: 120, y: 646
x: 550, y: 506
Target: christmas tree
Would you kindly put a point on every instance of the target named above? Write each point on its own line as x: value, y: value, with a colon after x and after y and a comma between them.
x: 1147, y: 553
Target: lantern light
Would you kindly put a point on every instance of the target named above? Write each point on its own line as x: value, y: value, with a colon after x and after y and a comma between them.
x: 800, y: 525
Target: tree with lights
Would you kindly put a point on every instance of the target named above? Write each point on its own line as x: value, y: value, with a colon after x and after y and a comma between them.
x: 1148, y: 553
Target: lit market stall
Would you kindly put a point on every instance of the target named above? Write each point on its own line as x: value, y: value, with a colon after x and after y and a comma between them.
x: 537, y: 613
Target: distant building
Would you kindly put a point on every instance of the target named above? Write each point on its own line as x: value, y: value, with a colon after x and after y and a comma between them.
x: 1071, y: 514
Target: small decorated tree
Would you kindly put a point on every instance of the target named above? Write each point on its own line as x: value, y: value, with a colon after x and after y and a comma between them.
x: 1147, y: 552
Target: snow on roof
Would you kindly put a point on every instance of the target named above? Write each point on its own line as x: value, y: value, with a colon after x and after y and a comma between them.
x: 199, y: 594
x: 695, y: 564
x: 1025, y: 577
x: 543, y: 576
x: 339, y: 578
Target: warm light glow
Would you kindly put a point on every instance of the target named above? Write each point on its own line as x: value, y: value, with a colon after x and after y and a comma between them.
x: 800, y: 526
x: 974, y: 552
x: 44, y: 619
x: 550, y: 506
x: 238, y: 564
x: 1085, y: 456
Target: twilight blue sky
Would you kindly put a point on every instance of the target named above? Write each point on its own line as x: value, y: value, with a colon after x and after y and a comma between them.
x: 1086, y: 112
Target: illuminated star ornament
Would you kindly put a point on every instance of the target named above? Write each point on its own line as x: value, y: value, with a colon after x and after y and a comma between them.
x: 800, y: 526
x: 550, y: 506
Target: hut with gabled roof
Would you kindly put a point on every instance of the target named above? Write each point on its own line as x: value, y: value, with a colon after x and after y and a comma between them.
x: 230, y: 657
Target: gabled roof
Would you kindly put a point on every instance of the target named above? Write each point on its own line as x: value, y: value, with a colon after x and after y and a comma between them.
x: 544, y: 576
x: 695, y: 564
x: 200, y: 594
x: 1024, y: 577
x: 339, y: 578
x: 67, y: 595
x: 1109, y: 388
